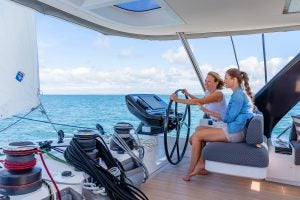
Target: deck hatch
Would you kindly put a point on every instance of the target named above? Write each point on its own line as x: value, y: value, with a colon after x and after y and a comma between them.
x: 139, y: 5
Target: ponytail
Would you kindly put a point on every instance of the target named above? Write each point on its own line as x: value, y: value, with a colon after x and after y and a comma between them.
x: 245, y: 78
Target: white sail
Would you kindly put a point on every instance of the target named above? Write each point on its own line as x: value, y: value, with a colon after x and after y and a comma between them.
x: 19, y: 76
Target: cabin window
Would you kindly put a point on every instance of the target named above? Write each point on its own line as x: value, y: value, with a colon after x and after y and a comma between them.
x: 286, y: 122
x: 291, y: 6
x: 139, y: 5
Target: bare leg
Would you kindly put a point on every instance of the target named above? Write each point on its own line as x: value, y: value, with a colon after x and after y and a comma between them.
x: 198, y: 128
x: 196, y: 152
x: 207, y: 135
x: 200, y: 167
x: 202, y: 171
x: 196, y: 148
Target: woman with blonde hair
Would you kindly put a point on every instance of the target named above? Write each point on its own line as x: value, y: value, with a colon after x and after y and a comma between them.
x: 213, y: 99
x: 239, y: 111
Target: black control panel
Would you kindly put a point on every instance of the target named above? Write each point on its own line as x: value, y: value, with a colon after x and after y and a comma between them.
x: 149, y: 108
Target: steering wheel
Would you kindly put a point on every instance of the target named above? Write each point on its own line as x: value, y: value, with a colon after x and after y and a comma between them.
x: 178, y: 118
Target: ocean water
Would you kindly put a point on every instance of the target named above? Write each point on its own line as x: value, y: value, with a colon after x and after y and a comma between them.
x: 87, y: 111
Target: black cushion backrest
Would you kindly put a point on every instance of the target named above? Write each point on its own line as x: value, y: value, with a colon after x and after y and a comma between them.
x: 255, y: 130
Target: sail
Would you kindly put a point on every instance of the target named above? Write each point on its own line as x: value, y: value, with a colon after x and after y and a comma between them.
x: 19, y: 80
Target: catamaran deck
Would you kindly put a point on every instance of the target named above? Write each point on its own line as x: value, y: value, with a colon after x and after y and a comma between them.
x: 168, y: 184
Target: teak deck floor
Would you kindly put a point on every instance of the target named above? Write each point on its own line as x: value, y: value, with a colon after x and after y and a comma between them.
x: 168, y: 184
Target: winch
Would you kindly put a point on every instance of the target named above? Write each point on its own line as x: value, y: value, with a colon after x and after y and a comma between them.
x: 122, y: 130
x: 87, y: 140
x: 21, y: 176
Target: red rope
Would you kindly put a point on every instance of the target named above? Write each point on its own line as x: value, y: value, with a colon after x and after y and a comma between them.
x: 19, y: 186
x: 48, y: 172
x: 21, y: 152
x: 19, y: 166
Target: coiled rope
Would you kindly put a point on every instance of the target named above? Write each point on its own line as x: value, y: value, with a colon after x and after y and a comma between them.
x: 115, y: 186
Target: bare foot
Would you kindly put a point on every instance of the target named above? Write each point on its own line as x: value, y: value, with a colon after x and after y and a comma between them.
x: 187, y: 178
x: 203, y: 172
x: 190, y: 175
x: 198, y: 171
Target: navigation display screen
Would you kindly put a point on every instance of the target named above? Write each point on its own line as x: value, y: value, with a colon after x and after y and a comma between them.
x: 153, y: 102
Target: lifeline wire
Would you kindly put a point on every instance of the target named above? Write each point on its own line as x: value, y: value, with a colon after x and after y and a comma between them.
x: 18, y: 120
x: 42, y: 121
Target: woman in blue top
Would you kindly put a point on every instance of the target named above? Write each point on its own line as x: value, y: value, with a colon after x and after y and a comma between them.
x: 239, y: 110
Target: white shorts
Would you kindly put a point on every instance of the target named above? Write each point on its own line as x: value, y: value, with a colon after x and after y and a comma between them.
x: 212, y: 123
x: 231, y: 137
x: 235, y: 137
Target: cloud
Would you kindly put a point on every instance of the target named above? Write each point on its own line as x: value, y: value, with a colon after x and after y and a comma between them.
x: 179, y: 56
x: 255, y: 70
x: 44, y: 44
x: 85, y: 80
x: 102, y: 42
x: 154, y: 79
x: 128, y: 52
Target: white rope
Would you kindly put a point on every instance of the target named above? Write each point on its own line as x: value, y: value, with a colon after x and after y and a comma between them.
x: 115, y: 171
x: 121, y: 143
x: 89, y: 185
x: 149, y: 143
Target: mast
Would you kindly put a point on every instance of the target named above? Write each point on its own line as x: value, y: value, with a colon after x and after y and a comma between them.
x: 192, y: 58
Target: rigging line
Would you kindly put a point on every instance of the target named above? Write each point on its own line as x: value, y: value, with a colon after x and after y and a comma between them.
x: 12, y: 124
x: 42, y: 121
x: 285, y: 130
x: 55, y: 157
x: 236, y: 60
x: 45, y: 113
x: 264, y: 54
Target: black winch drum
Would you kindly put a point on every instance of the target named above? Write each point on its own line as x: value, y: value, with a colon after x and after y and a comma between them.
x: 85, y: 134
x: 122, y: 129
x: 20, y: 158
x: 87, y: 141
x: 21, y: 181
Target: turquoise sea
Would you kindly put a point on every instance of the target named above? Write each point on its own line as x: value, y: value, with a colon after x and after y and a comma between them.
x: 86, y: 111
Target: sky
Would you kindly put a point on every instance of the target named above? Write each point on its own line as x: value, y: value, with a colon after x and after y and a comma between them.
x: 77, y: 60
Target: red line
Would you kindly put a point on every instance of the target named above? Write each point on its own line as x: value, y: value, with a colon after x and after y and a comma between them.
x: 19, y: 166
x: 25, y: 152
x: 19, y: 186
x: 48, y: 172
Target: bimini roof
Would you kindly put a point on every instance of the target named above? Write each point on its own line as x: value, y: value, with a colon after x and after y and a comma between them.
x: 162, y: 19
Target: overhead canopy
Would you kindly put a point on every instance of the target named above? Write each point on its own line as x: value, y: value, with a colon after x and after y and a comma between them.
x: 196, y: 18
